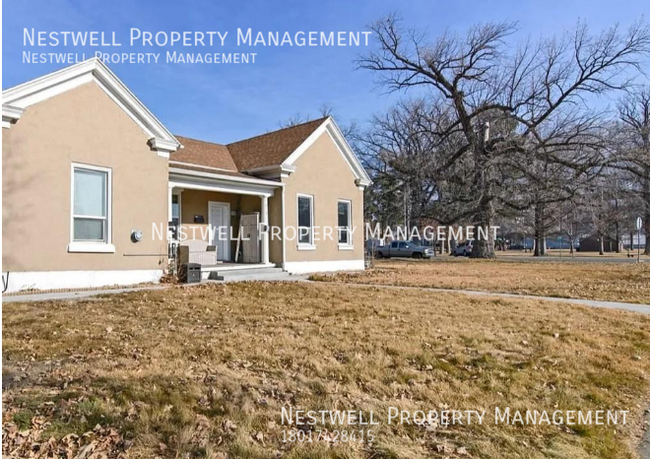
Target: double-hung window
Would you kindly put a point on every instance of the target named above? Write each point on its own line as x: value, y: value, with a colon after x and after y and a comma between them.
x: 305, y: 221
x: 91, y: 209
x: 176, y: 216
x: 344, y: 223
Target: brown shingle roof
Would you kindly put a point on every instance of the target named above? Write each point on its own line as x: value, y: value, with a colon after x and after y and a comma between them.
x: 272, y: 148
x: 264, y: 150
x: 204, y: 154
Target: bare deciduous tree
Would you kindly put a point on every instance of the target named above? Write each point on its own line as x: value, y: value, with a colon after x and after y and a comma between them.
x: 399, y: 151
x: 499, y: 106
x: 633, y: 154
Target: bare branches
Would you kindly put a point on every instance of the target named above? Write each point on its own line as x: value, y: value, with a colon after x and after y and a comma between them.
x: 632, y: 155
x: 405, y: 59
x: 584, y: 64
x: 535, y: 97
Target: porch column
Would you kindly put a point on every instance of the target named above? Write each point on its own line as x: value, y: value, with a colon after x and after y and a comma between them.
x: 265, y: 224
x: 169, y: 212
x: 169, y: 203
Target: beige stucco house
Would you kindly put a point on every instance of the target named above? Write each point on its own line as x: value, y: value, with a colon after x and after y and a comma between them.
x: 92, y: 181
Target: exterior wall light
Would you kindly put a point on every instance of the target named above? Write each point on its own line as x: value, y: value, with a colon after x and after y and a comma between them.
x: 136, y: 235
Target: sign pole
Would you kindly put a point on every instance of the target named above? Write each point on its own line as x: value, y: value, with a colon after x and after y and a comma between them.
x: 638, y: 224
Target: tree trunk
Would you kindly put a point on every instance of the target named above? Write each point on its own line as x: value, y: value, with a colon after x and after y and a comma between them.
x: 485, y: 216
x: 601, y: 238
x: 540, y: 245
x: 484, y: 248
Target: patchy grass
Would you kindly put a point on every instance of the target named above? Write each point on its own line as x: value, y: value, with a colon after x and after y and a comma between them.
x: 204, y: 371
x: 627, y: 282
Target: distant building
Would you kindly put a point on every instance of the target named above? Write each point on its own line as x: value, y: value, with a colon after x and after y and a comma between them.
x: 637, y: 241
x: 592, y: 244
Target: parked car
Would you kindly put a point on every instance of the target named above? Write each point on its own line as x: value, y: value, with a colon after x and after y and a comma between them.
x: 463, y: 249
x: 404, y: 249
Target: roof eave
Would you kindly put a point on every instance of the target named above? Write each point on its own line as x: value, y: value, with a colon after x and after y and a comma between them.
x: 330, y: 126
x: 231, y: 178
x: 93, y: 69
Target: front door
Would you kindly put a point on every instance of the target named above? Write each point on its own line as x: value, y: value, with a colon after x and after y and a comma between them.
x: 219, y: 220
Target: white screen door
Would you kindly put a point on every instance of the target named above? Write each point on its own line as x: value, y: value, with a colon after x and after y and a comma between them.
x: 219, y: 220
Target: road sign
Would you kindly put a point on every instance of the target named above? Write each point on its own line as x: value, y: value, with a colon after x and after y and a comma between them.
x: 638, y: 223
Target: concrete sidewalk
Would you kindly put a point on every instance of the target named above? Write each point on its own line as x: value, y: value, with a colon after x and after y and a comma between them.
x: 644, y: 446
x: 640, y: 308
x: 568, y: 259
x: 81, y: 294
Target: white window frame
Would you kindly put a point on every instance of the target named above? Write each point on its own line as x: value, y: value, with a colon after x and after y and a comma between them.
x: 180, y: 211
x: 302, y: 245
x: 178, y: 194
x: 92, y: 246
x: 349, y: 245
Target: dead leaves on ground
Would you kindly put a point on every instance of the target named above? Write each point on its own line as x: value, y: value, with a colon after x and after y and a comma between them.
x: 204, y: 371
x: 100, y: 443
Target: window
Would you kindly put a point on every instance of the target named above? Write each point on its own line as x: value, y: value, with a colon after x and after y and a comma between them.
x: 176, y: 217
x: 305, y: 220
x: 344, y: 222
x: 403, y: 245
x: 394, y: 245
x: 91, y: 229
x: 176, y: 210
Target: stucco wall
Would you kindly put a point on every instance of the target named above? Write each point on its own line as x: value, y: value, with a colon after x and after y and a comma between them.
x: 195, y: 202
x: 82, y: 125
x: 323, y: 172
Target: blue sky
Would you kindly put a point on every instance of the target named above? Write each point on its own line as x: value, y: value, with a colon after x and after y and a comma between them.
x: 227, y: 102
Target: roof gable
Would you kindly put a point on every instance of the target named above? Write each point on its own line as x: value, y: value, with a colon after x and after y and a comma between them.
x: 330, y: 127
x: 275, y: 151
x: 271, y: 149
x: 15, y: 100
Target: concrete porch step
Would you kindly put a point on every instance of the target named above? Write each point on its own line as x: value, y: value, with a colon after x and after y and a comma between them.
x: 262, y: 277
x: 248, y: 274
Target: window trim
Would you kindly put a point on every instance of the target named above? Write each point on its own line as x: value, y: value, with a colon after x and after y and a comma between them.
x: 92, y: 246
x: 303, y: 245
x: 350, y: 244
x: 180, y: 211
x: 178, y: 194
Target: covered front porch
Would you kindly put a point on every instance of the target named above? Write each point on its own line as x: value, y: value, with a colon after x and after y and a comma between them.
x: 224, y: 214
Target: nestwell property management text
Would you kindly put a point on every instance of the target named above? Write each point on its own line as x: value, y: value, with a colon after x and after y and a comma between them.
x: 203, y: 40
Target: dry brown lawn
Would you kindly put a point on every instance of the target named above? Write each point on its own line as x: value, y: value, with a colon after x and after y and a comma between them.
x: 627, y: 282
x: 204, y: 372
x: 578, y: 255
